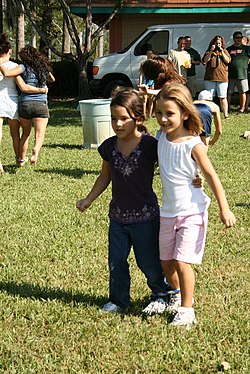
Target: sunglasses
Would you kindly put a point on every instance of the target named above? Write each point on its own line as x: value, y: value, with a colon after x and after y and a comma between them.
x: 238, y: 37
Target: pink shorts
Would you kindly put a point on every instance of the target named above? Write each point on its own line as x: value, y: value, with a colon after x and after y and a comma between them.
x: 183, y: 238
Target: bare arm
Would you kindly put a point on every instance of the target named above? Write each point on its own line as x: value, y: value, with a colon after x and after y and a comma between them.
x: 226, y: 57
x: 217, y: 123
x: 28, y: 88
x: 140, y: 76
x: 100, y: 185
x: 200, y: 155
x: 12, y: 72
x: 144, y: 90
x: 196, y: 62
x: 207, y: 56
x: 51, y: 78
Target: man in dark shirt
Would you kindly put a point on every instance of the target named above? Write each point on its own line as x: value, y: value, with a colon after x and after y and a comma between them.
x: 195, y: 60
x: 237, y: 69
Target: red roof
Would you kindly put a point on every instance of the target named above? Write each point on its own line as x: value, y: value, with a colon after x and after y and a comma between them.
x: 167, y: 3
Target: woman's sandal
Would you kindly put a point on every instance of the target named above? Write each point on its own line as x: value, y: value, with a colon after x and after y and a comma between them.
x: 21, y: 163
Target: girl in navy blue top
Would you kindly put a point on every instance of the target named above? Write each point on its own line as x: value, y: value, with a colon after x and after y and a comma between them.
x: 129, y: 159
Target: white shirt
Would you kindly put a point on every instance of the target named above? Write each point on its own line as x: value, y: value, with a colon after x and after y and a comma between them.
x: 177, y: 170
x: 8, y: 84
x: 179, y: 60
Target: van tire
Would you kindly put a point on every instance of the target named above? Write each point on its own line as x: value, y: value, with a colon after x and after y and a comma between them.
x: 111, y: 85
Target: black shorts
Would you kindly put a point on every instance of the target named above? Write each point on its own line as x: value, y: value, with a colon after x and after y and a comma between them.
x: 33, y: 109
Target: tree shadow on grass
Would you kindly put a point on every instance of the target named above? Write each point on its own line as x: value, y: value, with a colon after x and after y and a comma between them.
x: 243, y: 205
x: 27, y: 290
x: 73, y: 173
x: 64, y: 146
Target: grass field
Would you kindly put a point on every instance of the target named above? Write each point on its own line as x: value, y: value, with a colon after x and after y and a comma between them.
x: 54, y: 274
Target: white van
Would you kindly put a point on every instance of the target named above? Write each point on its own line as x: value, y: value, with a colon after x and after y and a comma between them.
x: 122, y: 68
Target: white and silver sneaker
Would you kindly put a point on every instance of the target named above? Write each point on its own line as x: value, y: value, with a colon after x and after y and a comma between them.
x: 174, y: 303
x: 111, y: 308
x: 184, y: 317
x: 156, y: 307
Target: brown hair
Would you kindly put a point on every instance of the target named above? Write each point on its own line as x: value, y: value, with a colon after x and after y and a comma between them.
x: 180, y: 94
x: 4, y: 44
x: 223, y: 43
x: 129, y: 99
x: 39, y: 63
x: 161, y: 70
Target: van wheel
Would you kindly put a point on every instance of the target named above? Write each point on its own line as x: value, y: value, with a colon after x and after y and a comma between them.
x: 111, y: 85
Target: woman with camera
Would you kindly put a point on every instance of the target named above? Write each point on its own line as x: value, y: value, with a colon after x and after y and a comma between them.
x: 217, y: 59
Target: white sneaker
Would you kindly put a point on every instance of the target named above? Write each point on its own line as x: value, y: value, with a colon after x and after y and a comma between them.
x: 174, y: 303
x: 156, y: 307
x: 184, y: 317
x: 111, y: 308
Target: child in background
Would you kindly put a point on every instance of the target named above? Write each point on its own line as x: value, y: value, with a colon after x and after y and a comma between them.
x: 183, y: 216
x: 161, y: 71
x: 208, y: 111
x: 147, y: 99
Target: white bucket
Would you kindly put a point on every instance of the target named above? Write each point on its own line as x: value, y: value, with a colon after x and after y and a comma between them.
x: 96, y: 121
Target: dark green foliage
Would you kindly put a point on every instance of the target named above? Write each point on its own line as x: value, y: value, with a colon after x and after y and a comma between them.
x: 66, y: 83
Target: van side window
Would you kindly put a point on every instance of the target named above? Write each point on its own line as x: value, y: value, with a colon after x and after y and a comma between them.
x: 156, y: 41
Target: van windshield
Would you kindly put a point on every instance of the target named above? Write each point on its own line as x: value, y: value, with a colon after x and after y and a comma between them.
x: 156, y: 41
x: 130, y: 44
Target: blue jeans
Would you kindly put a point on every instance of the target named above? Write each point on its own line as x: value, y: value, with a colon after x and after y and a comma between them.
x: 144, y: 237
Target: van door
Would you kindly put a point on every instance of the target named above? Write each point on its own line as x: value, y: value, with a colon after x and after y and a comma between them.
x: 157, y: 41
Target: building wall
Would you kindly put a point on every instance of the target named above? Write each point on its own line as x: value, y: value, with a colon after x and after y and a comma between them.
x: 134, y: 24
x: 136, y: 15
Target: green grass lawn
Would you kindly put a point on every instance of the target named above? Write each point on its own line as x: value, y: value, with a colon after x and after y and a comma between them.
x: 54, y: 273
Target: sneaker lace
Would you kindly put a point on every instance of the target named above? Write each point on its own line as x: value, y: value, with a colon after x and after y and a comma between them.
x: 174, y: 299
x: 157, y: 306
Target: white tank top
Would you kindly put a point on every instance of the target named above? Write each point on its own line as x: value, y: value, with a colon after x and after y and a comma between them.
x: 177, y: 170
x: 8, y: 84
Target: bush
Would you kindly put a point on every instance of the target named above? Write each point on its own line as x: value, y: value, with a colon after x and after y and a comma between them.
x: 66, y: 80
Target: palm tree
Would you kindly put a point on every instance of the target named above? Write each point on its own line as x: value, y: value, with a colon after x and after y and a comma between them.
x: 1, y: 16
x: 15, y: 20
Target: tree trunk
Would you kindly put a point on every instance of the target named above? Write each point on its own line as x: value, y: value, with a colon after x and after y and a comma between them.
x: 1, y: 16
x: 33, y: 37
x: 66, y: 38
x: 84, y: 88
x: 20, y: 36
x: 100, y: 45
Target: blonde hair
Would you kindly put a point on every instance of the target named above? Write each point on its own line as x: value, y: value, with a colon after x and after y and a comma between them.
x: 182, y: 97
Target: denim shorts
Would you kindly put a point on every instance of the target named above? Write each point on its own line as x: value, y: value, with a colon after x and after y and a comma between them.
x: 33, y: 109
x: 219, y: 88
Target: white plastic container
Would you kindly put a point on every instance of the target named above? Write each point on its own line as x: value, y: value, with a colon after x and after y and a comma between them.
x: 96, y: 121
